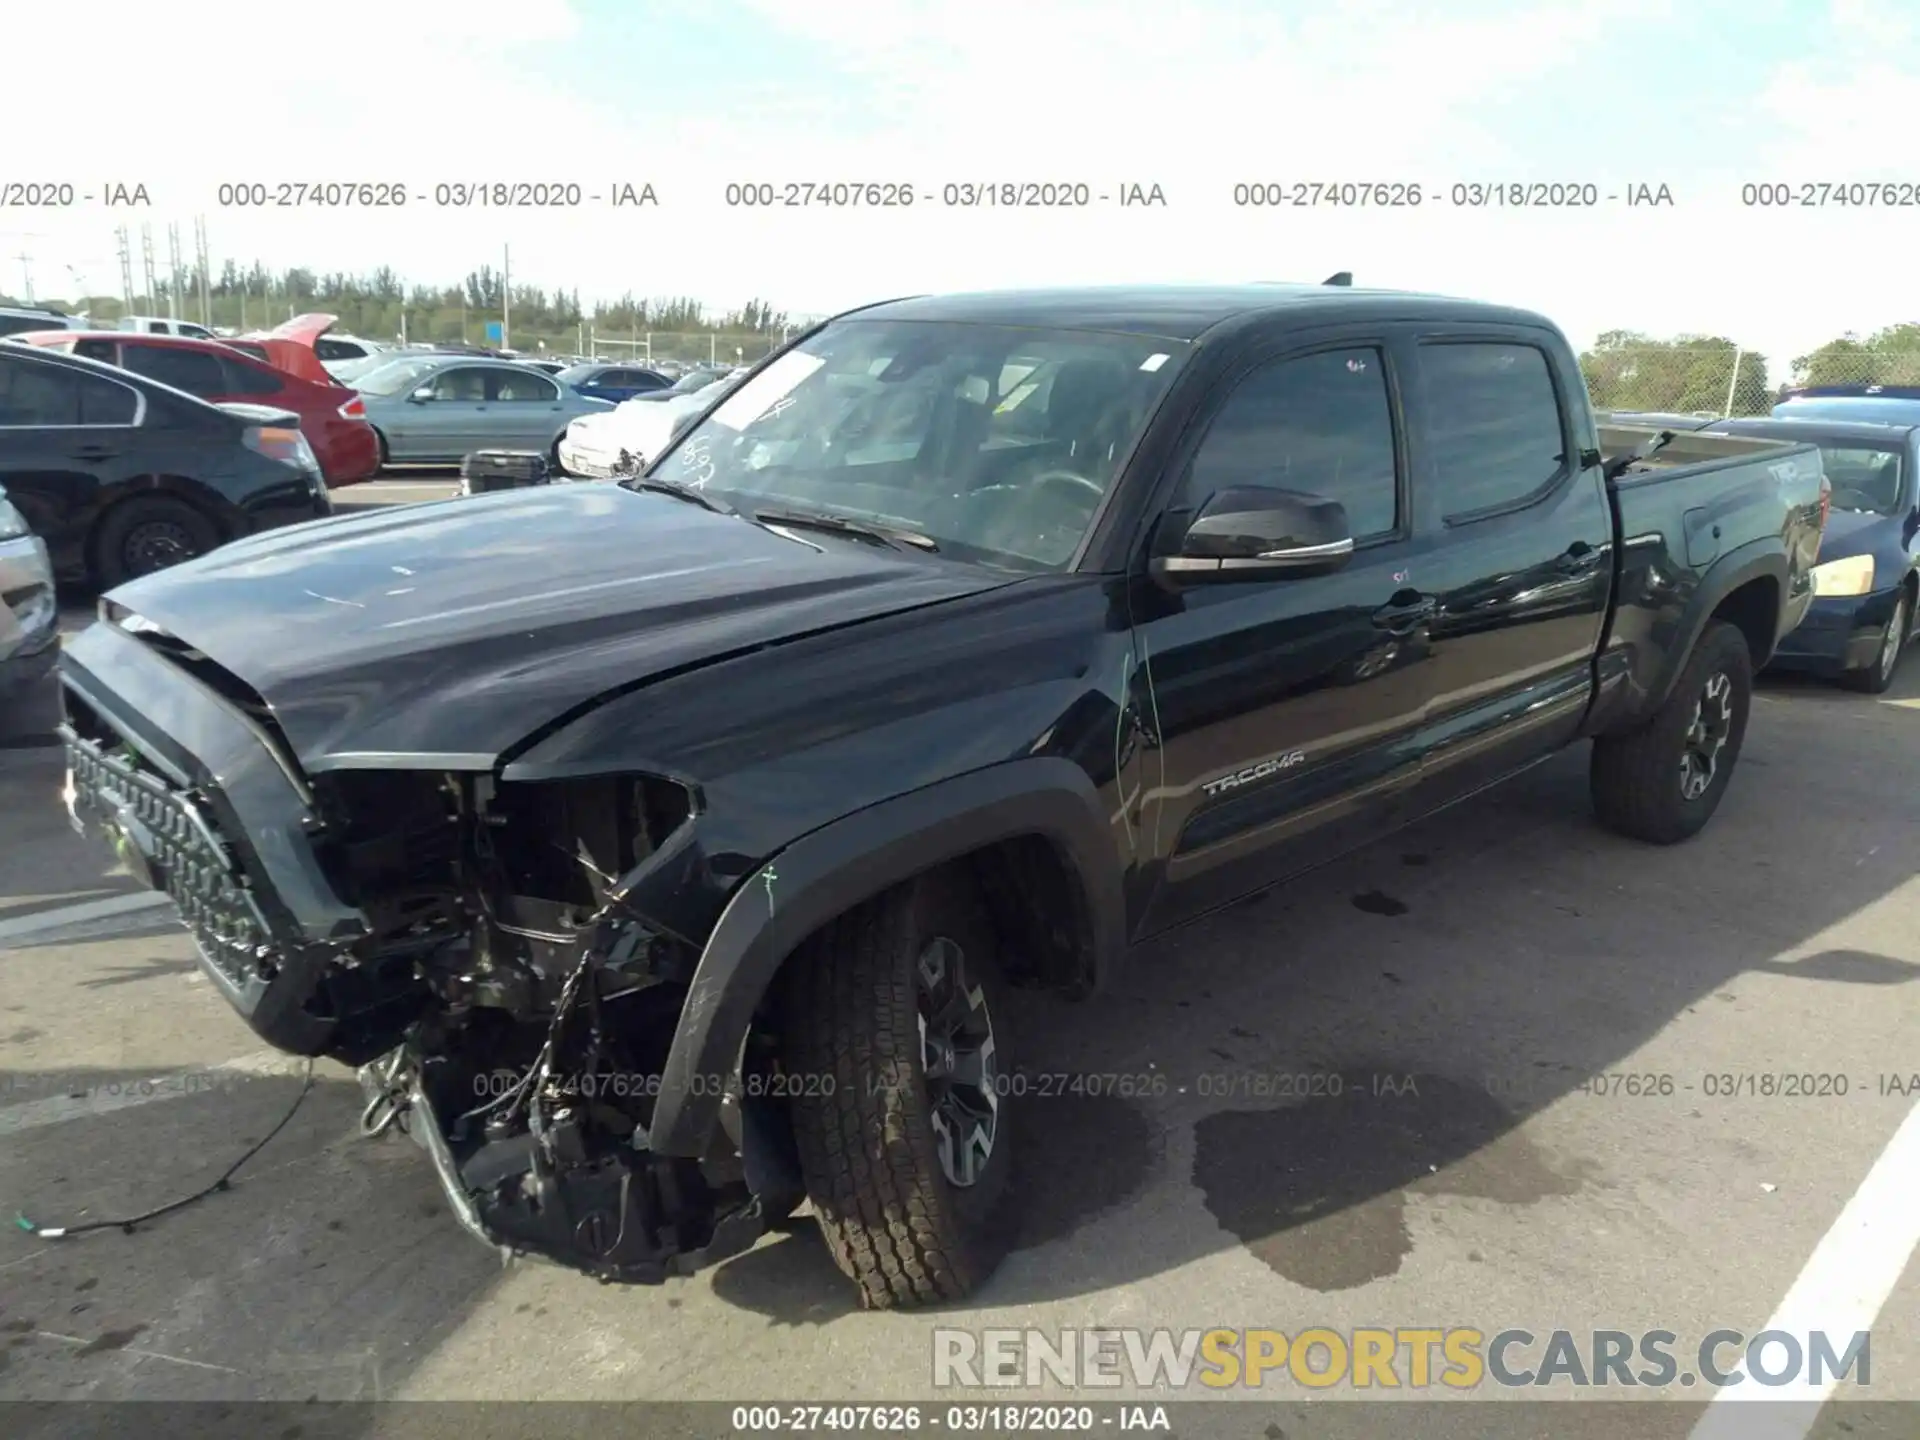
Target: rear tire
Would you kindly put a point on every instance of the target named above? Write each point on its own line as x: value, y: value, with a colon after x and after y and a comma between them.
x: 1662, y: 782
x: 1875, y: 679
x: 908, y: 1174
x: 381, y: 468
x: 148, y: 533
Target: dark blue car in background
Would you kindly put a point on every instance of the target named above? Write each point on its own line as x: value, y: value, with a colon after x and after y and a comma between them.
x: 1867, y: 582
x: 1868, y: 579
x: 614, y: 382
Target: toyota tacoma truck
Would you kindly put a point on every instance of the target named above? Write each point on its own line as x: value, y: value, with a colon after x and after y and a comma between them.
x: 662, y: 853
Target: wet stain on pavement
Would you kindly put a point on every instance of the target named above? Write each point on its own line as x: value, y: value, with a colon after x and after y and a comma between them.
x: 24, y: 1036
x: 1378, y: 902
x: 1318, y: 1191
x: 111, y: 1340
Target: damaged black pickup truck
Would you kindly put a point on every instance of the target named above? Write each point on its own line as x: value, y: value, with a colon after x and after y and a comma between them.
x: 661, y: 851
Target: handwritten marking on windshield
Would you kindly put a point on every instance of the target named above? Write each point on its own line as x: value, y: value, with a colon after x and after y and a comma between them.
x: 335, y: 600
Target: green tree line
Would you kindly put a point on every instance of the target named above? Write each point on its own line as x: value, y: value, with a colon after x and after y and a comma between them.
x: 1627, y: 370
x: 383, y: 306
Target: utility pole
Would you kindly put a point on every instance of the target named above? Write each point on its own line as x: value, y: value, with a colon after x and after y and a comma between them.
x: 173, y: 271
x: 26, y: 274
x: 147, y: 295
x: 206, y: 266
x: 506, y: 296
x: 126, y: 269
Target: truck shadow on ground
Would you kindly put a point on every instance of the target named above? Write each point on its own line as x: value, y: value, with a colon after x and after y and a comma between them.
x: 1382, y: 1030
x: 1376, y: 1032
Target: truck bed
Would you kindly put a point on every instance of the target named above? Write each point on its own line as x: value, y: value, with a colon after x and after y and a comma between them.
x: 1690, y: 450
x: 1699, y: 521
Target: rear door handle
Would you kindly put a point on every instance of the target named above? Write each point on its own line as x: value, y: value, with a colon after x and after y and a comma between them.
x: 1405, y: 617
x: 95, y: 452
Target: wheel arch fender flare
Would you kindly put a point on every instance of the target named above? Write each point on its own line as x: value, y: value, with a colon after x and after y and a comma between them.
x: 1759, y: 560
x: 851, y: 860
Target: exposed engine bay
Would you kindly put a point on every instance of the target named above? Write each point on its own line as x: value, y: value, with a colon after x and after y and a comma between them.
x: 535, y: 1015
x: 504, y: 1006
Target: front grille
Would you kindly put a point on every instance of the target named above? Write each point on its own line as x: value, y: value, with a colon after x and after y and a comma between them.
x: 185, y: 856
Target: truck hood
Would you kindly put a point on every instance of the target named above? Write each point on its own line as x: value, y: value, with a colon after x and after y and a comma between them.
x: 445, y: 634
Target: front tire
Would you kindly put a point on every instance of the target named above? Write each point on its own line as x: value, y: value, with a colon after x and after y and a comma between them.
x: 1662, y: 782
x: 1875, y: 679
x: 896, y: 1041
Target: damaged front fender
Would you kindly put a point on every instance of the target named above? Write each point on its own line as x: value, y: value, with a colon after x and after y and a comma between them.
x: 852, y: 860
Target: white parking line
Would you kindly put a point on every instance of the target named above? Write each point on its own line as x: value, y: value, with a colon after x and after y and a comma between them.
x: 70, y: 915
x: 105, y: 1098
x: 1840, y: 1291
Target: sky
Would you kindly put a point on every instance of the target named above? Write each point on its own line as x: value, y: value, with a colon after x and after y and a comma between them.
x: 1700, y: 96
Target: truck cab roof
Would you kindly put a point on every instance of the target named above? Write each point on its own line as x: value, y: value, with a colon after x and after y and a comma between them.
x: 1188, y: 312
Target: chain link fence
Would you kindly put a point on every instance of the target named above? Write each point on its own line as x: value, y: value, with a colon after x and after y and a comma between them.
x: 1724, y: 380
x: 687, y: 348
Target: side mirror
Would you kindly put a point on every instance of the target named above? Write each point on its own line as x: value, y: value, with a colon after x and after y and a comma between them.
x: 1252, y: 532
x: 422, y: 395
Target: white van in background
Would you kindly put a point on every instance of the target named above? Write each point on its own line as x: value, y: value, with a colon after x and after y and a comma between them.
x: 161, y: 325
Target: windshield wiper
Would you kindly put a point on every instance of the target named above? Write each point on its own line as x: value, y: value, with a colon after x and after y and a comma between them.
x: 899, y: 538
x: 679, y: 491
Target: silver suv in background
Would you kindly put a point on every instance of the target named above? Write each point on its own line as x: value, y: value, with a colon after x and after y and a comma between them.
x: 29, y: 615
x: 16, y: 319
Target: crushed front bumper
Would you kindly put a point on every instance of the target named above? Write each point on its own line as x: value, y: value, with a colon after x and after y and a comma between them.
x: 619, y: 1216
x: 1839, y: 633
x: 200, y: 804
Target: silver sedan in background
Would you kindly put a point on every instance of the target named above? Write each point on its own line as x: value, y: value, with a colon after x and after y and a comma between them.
x: 29, y: 615
x: 436, y: 409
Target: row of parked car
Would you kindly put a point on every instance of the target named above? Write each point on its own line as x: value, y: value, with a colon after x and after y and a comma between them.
x: 357, y: 414
x: 126, y: 450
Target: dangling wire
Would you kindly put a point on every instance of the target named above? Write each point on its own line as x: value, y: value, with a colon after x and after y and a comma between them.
x: 64, y: 1232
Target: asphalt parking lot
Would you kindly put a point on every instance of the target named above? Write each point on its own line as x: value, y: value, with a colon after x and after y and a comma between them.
x: 1502, y: 968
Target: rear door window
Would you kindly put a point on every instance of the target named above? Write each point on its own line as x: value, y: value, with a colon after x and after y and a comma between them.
x: 244, y: 379
x: 193, y: 371
x: 1493, y: 425
x: 34, y: 395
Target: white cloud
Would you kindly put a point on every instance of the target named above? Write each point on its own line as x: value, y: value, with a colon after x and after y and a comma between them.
x: 1192, y: 97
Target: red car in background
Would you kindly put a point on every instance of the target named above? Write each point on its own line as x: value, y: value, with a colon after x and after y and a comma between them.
x: 259, y: 371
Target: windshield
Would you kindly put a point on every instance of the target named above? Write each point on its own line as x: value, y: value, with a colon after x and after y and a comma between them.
x: 1863, y: 480
x: 393, y: 376
x: 998, y: 443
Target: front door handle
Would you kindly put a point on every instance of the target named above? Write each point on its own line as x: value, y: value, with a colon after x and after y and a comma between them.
x: 95, y: 452
x: 1402, y: 617
x: 1580, y: 559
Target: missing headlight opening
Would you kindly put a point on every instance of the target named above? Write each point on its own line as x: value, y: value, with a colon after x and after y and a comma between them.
x: 510, y: 1004
x: 506, y: 1006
